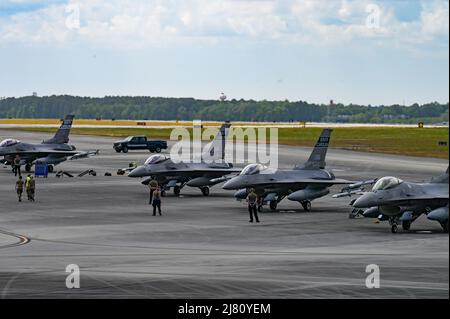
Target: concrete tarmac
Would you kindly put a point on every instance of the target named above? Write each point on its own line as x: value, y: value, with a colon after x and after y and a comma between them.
x: 204, y: 247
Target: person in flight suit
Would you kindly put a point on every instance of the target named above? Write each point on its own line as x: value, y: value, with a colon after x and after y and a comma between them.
x: 16, y: 166
x: 252, y: 201
x: 157, y: 201
x: 153, y: 186
x: 19, y: 188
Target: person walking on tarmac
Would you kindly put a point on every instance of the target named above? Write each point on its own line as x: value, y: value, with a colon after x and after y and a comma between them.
x: 16, y: 166
x: 30, y: 185
x: 252, y: 201
x: 19, y: 188
x: 153, y: 186
x: 157, y: 201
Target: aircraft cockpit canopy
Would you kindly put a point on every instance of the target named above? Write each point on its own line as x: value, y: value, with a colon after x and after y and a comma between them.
x: 155, y: 159
x: 8, y: 142
x: 386, y: 183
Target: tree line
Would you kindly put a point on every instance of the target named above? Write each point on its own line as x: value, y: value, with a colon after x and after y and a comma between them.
x: 158, y: 108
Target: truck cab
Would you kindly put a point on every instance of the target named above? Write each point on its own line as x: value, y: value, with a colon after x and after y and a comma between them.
x: 139, y: 143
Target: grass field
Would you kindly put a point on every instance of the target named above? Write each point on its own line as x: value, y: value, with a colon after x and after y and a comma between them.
x: 388, y: 140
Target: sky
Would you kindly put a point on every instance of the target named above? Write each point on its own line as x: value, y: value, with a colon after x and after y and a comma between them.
x: 365, y: 52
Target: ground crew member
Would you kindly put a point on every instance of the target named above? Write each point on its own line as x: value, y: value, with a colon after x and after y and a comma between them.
x: 19, y: 188
x: 252, y: 200
x: 16, y: 166
x: 30, y: 185
x: 157, y: 201
x: 153, y: 186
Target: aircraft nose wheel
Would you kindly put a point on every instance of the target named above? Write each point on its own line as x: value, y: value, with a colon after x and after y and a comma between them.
x: 176, y: 190
x: 28, y: 168
x: 394, y: 228
x: 444, y: 226
x: 306, y: 205
x: 205, y: 190
x: 273, y: 205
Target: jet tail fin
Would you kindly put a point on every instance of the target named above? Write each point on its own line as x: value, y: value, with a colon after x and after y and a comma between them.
x: 216, y: 149
x: 441, y: 179
x: 62, y: 135
x: 317, y: 158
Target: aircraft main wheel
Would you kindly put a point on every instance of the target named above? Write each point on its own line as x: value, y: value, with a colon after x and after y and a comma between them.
x: 117, y: 150
x: 205, y: 190
x: 28, y: 168
x: 306, y: 205
x: 50, y: 168
x: 445, y: 226
x: 158, y: 150
x: 176, y: 190
x: 273, y: 204
x: 125, y: 149
x: 406, y: 225
x: 394, y: 228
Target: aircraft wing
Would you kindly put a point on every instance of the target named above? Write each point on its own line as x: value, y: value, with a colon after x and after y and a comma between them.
x: 336, y: 181
x: 212, y: 171
x: 41, y: 152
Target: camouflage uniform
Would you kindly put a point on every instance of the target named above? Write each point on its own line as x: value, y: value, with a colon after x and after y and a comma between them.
x: 19, y: 188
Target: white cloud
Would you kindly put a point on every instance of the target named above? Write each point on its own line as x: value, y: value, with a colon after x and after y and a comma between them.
x: 126, y: 23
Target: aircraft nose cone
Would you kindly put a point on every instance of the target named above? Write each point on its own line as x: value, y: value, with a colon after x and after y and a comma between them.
x: 231, y: 184
x: 365, y: 201
x: 138, y: 172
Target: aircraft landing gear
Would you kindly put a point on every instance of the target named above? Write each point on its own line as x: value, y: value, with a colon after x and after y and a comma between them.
x: 406, y: 225
x: 205, y: 190
x: 306, y: 204
x: 444, y: 226
x: 273, y: 204
x: 50, y: 168
x: 28, y: 168
x: 394, y: 226
x: 176, y: 190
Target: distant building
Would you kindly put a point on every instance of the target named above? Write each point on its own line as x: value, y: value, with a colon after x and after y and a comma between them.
x: 35, y: 94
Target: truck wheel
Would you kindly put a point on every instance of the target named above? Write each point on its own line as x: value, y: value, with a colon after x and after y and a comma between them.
x: 151, y: 150
x: 117, y: 150
x: 125, y: 149
x: 158, y: 150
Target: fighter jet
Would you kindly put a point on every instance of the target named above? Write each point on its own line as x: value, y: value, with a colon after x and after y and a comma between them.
x: 302, y: 183
x: 176, y: 175
x: 51, y: 152
x: 397, y: 201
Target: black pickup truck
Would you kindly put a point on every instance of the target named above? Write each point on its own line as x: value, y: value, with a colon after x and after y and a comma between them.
x: 139, y: 143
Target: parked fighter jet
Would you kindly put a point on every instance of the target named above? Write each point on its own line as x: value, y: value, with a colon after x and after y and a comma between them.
x: 302, y: 183
x: 177, y: 175
x: 397, y: 201
x: 51, y: 152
